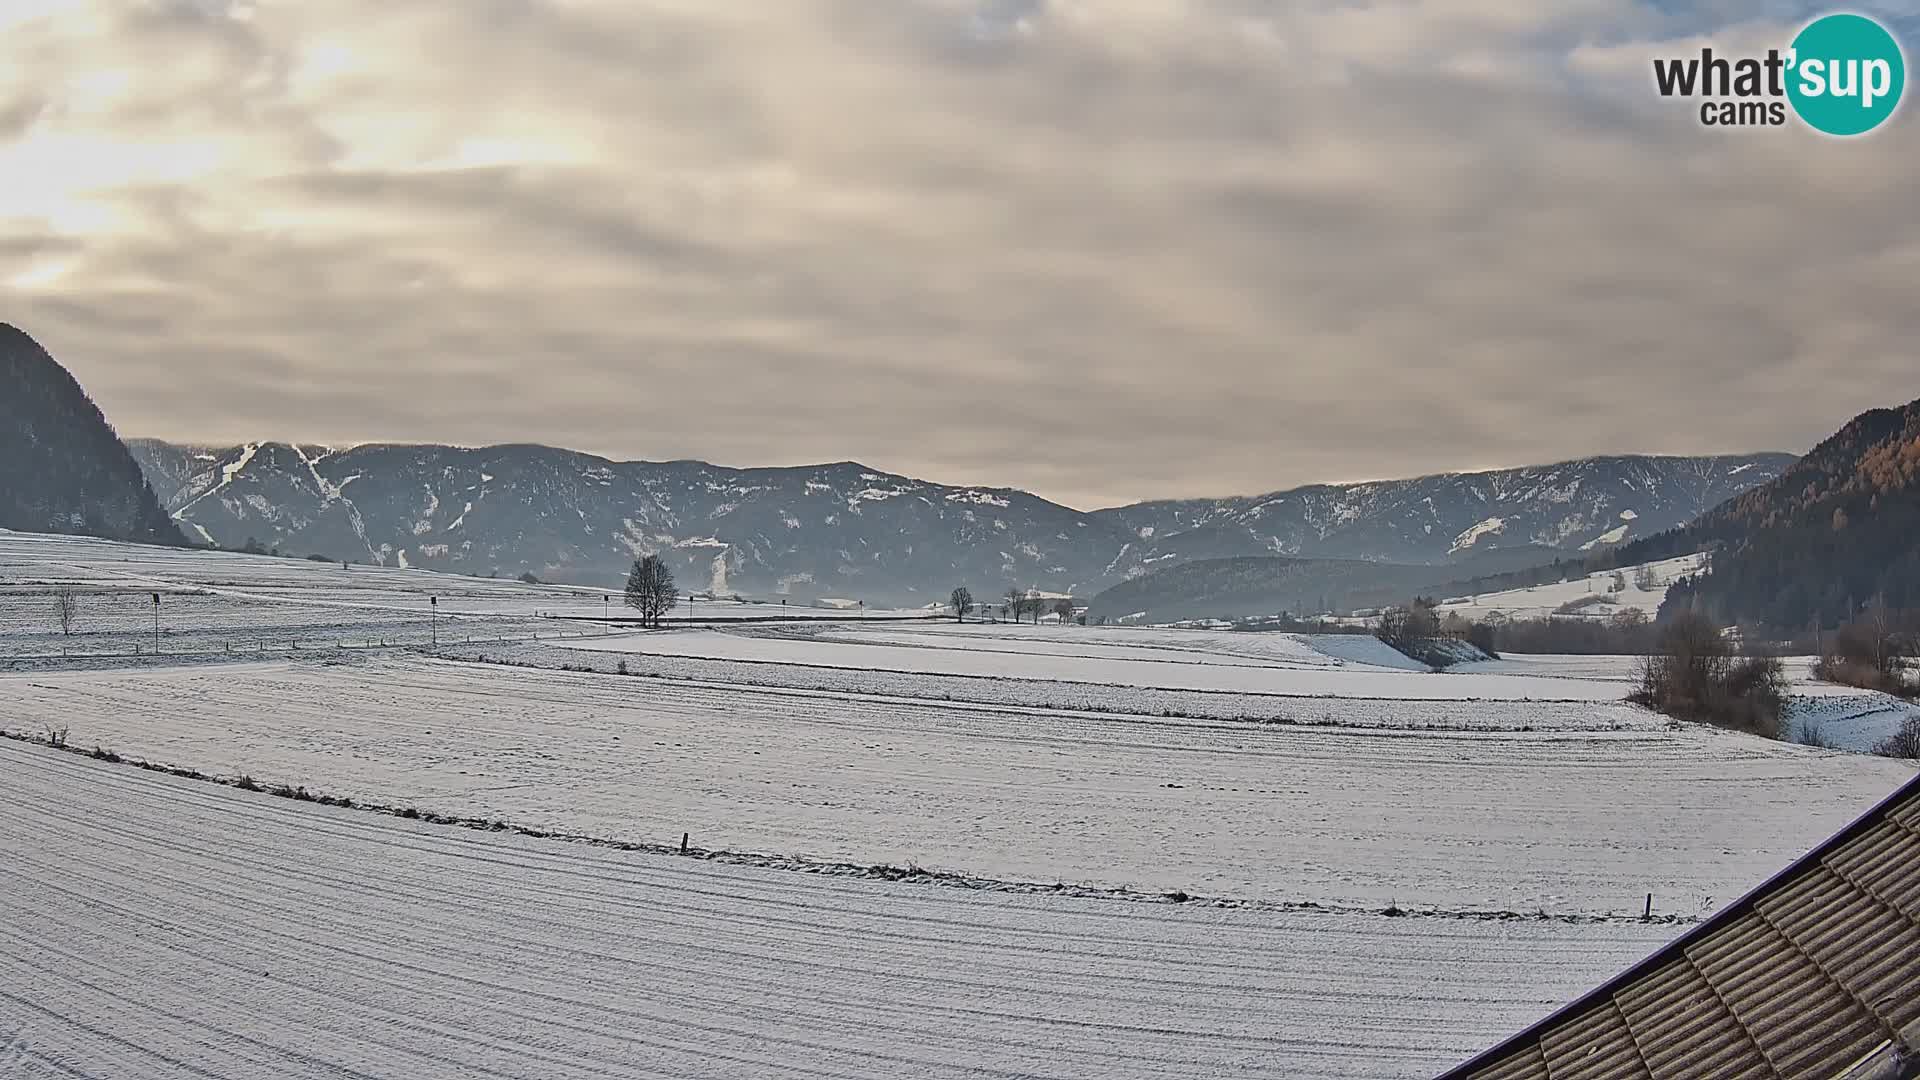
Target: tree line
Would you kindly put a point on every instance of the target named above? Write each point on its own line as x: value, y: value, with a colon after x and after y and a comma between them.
x: 1016, y: 605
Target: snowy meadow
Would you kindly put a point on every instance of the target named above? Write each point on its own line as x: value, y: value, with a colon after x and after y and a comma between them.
x: 910, y: 847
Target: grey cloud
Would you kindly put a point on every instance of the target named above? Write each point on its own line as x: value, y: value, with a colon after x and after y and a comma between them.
x: 1103, y: 251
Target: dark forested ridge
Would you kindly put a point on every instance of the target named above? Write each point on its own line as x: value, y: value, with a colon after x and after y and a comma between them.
x: 62, y: 468
x: 1836, y: 530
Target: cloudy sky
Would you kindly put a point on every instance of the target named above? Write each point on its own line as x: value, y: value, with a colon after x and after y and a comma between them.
x: 1100, y: 249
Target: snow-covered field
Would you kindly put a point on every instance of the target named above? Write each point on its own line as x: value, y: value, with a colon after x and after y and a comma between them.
x: 177, y: 927
x: 1056, y: 654
x: 1592, y: 591
x: 164, y: 928
x: 1859, y: 720
x: 216, y: 601
x: 1507, y: 821
x: 1821, y: 713
x: 1290, y: 708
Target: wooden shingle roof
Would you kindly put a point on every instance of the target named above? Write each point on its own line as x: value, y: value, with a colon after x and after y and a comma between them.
x: 1814, y: 975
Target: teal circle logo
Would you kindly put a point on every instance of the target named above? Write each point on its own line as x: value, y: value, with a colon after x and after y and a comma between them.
x: 1846, y: 74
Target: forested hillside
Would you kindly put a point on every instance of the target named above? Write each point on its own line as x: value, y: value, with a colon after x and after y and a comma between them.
x: 1838, y: 529
x: 62, y: 468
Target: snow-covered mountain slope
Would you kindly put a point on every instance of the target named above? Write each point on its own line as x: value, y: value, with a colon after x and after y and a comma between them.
x: 1599, y: 594
x: 848, y: 530
x: 824, y: 530
x: 1571, y: 506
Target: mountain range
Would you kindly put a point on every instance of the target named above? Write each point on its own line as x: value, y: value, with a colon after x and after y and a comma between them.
x: 848, y: 530
x: 62, y: 468
x: 1793, y: 541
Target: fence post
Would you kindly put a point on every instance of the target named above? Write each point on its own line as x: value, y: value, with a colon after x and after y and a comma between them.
x: 683, y: 843
x: 1648, y: 917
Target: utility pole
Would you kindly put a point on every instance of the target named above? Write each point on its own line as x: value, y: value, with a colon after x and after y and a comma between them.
x: 433, y: 616
x: 689, y: 607
x: 156, y: 624
x: 606, y: 615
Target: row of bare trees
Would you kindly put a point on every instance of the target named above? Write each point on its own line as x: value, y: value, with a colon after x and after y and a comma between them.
x: 1017, y: 605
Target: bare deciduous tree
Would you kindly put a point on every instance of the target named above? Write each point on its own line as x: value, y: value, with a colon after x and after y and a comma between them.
x: 68, y: 606
x: 1879, y: 624
x: 1904, y: 743
x: 1064, y: 609
x: 650, y: 589
x: 1871, y: 652
x: 1693, y: 675
x: 1409, y: 628
x: 962, y: 602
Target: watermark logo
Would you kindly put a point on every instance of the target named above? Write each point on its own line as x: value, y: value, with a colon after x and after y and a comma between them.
x: 1843, y: 74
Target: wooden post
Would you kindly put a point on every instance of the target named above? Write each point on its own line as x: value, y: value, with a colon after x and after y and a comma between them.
x: 683, y: 843
x: 1648, y: 917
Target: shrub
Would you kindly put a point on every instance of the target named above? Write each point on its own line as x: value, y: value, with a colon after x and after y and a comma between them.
x: 1811, y: 734
x: 1870, y: 653
x: 57, y: 738
x: 1626, y: 632
x: 1694, y: 676
x: 1904, y: 743
x: 1483, y: 636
